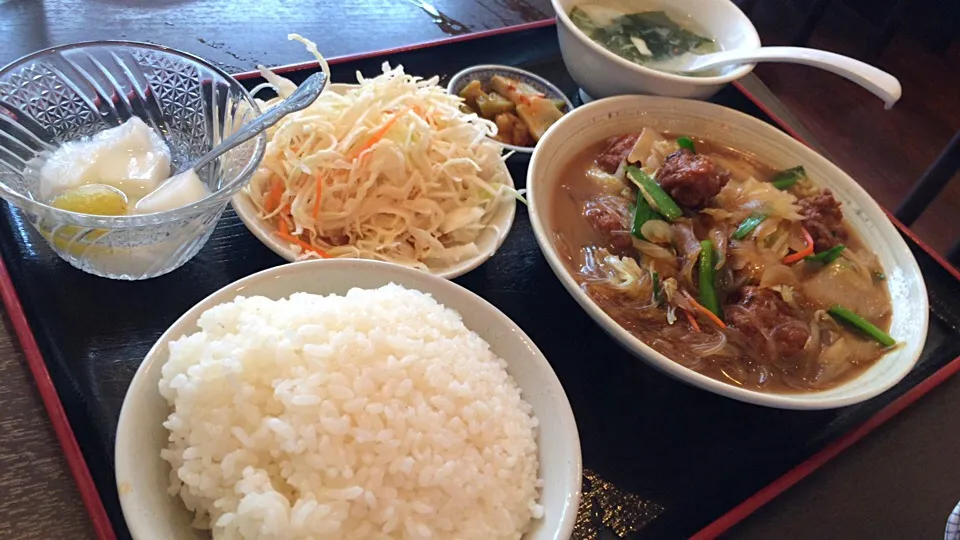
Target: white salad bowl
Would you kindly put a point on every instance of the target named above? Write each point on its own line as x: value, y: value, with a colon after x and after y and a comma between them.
x: 488, y: 242
x: 600, y: 73
x: 143, y: 477
x: 601, y: 119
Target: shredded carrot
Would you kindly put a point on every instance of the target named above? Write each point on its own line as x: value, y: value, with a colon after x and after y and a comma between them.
x: 272, y: 201
x: 807, y: 250
x: 283, y: 231
x: 693, y: 322
x: 316, y: 205
x: 706, y: 312
x: 378, y: 135
x: 303, y: 245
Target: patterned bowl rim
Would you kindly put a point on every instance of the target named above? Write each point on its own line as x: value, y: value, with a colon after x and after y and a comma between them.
x: 555, y: 93
x: 217, y: 198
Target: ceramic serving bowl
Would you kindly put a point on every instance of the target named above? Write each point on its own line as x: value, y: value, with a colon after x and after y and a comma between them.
x: 601, y: 119
x: 484, y: 72
x: 600, y: 73
x: 143, y: 477
x: 488, y: 242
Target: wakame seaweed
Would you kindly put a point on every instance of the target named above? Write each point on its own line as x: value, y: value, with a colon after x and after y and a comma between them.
x: 664, y: 38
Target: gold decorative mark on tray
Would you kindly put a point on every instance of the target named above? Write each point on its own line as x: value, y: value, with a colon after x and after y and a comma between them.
x: 607, y: 512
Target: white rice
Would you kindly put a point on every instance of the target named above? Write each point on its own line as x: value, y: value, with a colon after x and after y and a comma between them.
x: 372, y: 415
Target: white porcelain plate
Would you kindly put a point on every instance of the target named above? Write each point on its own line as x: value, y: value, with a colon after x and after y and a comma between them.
x: 488, y: 242
x: 618, y: 115
x: 142, y: 476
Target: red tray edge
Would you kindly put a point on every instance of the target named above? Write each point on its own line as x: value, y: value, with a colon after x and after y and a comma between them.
x: 832, y: 450
x: 53, y: 405
x: 88, y: 490
x: 280, y: 70
x: 89, y: 494
x: 903, y: 228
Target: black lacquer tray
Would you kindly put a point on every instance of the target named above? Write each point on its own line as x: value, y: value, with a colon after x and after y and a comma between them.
x: 662, y: 459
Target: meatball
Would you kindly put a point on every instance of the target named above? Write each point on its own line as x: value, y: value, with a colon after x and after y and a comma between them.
x: 823, y: 219
x: 610, y: 216
x: 765, y: 313
x: 691, y: 179
x: 617, y: 150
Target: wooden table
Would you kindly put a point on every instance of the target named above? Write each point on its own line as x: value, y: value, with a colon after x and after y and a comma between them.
x: 901, y: 481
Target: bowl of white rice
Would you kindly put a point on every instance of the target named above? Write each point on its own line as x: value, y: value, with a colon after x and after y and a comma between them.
x: 347, y: 399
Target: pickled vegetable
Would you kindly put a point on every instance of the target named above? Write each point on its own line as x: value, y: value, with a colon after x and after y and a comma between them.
x: 493, y: 104
x: 515, y: 90
x: 539, y: 114
x: 472, y: 93
x: 522, y: 113
x: 511, y: 130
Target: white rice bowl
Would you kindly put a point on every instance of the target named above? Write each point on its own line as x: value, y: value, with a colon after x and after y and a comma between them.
x: 372, y: 415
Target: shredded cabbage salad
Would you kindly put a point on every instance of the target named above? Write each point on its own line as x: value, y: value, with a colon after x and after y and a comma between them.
x: 391, y: 170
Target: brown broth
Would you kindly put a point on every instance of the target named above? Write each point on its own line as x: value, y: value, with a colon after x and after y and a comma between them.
x: 739, y: 364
